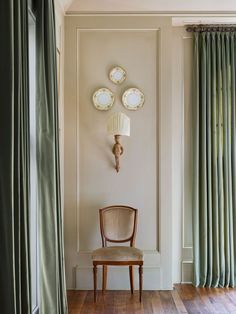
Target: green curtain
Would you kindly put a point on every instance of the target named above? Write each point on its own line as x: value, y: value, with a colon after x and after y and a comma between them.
x: 214, y: 186
x: 52, y: 276
x: 15, y: 296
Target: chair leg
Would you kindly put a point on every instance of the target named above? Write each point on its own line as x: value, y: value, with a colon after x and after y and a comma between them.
x: 140, y: 282
x: 104, y: 278
x: 95, y: 282
x: 131, y: 278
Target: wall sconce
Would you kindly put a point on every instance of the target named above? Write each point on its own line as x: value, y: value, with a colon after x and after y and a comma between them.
x: 118, y: 124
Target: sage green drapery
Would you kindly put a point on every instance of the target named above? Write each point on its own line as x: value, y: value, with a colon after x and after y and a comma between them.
x: 15, y: 296
x: 52, y: 277
x: 214, y: 197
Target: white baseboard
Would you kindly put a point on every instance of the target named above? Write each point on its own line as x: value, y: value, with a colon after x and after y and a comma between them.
x: 187, y: 272
x: 118, y: 277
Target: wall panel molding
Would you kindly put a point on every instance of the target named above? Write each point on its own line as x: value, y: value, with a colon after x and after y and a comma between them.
x: 158, y: 60
x: 159, y: 256
x: 187, y: 250
x: 182, y: 77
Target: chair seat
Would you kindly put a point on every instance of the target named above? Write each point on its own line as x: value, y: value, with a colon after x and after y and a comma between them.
x: 117, y: 253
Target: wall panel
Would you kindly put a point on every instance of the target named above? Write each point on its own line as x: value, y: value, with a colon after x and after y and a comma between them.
x: 143, y: 47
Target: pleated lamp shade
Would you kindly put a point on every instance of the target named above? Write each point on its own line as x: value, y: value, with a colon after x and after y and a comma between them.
x: 118, y: 124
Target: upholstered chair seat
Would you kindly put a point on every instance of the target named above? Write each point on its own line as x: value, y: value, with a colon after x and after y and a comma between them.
x: 117, y: 253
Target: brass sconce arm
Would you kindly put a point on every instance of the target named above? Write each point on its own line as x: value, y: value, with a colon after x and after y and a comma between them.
x: 117, y: 151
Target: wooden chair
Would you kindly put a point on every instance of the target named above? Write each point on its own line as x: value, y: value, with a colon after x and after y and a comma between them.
x: 118, y: 224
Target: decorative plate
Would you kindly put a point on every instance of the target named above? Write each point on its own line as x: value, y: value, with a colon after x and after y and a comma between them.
x: 103, y: 99
x: 117, y: 75
x: 133, y: 98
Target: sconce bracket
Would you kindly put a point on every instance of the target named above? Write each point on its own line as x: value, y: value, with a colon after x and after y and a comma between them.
x: 117, y: 151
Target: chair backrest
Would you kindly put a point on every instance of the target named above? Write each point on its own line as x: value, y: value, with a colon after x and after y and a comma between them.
x: 118, y: 224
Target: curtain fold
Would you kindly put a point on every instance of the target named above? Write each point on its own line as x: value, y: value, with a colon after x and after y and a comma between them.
x: 214, y: 181
x: 15, y: 296
x: 52, y: 275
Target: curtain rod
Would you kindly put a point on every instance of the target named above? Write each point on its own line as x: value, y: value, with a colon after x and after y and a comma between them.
x: 211, y: 28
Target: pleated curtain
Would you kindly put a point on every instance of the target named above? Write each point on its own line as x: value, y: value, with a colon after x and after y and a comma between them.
x: 15, y: 279
x: 52, y: 274
x: 214, y: 180
x: 15, y: 290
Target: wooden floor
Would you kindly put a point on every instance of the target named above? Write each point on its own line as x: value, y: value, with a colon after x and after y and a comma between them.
x: 183, y: 299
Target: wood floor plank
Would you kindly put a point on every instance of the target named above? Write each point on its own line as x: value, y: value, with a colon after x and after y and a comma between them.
x: 147, y: 305
x: 200, y: 306
x: 168, y: 302
x: 230, y: 293
x: 133, y: 305
x: 178, y: 302
x: 230, y: 306
x: 156, y: 303
x: 89, y: 306
x: 203, y: 293
x: 217, y: 301
x: 120, y: 302
x: 75, y: 301
x: 183, y: 299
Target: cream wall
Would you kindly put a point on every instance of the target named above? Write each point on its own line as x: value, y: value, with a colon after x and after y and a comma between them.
x: 165, y: 224
x: 182, y: 153
x: 99, y: 184
x: 143, y: 46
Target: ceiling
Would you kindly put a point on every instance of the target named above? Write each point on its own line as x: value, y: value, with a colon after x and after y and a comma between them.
x: 150, y: 6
